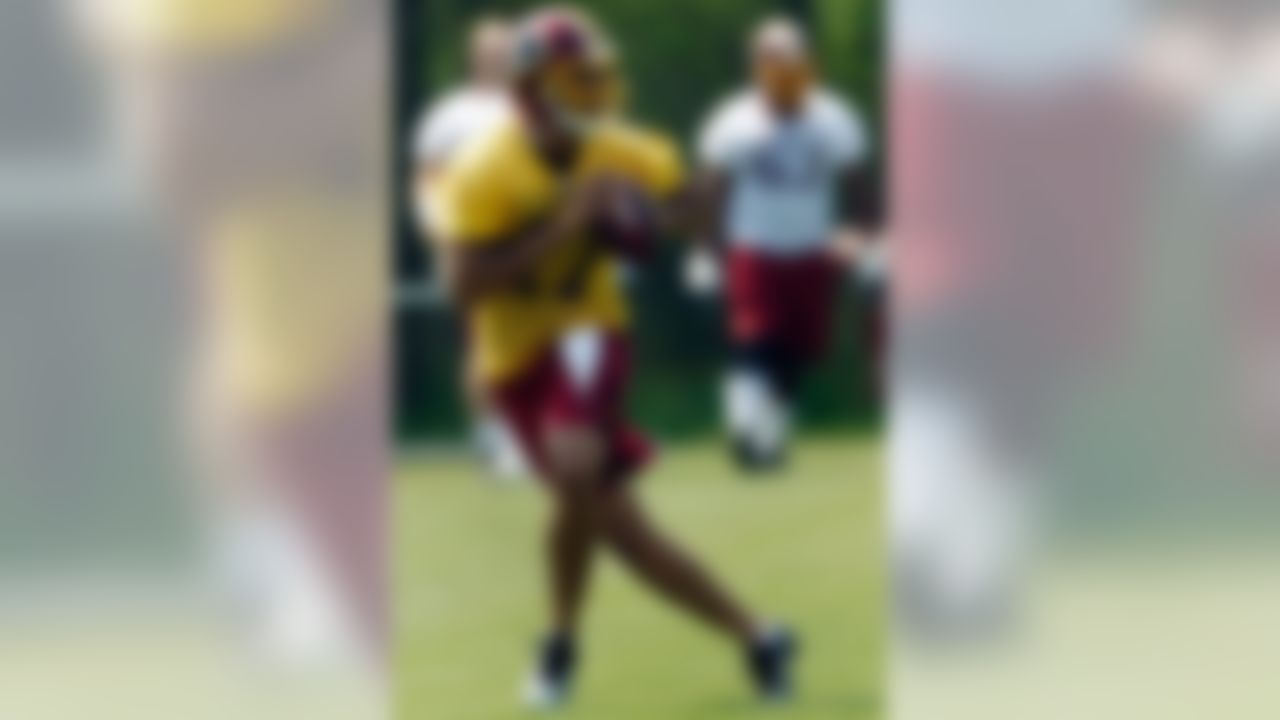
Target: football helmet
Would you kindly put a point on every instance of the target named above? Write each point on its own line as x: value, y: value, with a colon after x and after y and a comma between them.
x: 565, y: 70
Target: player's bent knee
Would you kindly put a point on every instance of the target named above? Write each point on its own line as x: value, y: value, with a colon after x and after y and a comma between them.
x: 577, y: 460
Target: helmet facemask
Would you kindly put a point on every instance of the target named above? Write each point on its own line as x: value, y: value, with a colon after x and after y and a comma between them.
x: 567, y: 74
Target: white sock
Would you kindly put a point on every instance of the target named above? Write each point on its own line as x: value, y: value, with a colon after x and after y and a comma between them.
x: 755, y: 413
x: 746, y: 402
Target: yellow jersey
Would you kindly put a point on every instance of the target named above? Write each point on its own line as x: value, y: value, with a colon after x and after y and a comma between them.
x: 498, y: 185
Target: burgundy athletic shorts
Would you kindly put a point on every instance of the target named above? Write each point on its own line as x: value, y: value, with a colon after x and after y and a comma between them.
x: 782, y: 299
x: 564, y: 388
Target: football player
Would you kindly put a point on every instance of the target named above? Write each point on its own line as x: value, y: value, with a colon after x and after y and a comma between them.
x: 785, y: 175
x: 462, y: 114
x: 531, y: 219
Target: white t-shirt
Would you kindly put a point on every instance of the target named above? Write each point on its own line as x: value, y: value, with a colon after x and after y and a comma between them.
x: 784, y: 172
x: 452, y: 121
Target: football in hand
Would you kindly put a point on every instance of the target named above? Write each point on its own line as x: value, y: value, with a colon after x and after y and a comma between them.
x: 627, y: 223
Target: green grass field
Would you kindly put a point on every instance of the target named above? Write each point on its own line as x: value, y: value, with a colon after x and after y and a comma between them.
x: 805, y: 547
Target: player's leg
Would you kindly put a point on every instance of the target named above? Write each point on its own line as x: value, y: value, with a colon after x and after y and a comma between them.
x: 782, y: 329
x: 574, y: 463
x: 673, y: 572
x: 565, y: 455
x: 669, y: 568
x: 760, y: 375
x: 585, y: 449
x: 576, y: 459
x: 759, y: 392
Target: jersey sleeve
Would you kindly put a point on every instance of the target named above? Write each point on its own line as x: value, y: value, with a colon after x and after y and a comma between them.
x: 469, y: 204
x: 664, y: 168
x: 719, y: 142
x: 847, y: 136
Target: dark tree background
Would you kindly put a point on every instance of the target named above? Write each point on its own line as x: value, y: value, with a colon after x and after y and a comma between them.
x: 680, y: 58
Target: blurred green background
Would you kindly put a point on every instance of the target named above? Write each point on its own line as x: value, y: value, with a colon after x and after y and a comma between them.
x: 681, y: 58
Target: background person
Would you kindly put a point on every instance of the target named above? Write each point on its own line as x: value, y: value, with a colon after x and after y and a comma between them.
x: 786, y: 176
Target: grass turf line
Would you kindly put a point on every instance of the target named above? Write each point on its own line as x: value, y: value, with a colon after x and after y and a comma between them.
x: 805, y: 547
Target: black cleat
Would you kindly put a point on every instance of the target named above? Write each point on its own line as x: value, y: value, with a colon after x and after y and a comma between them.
x: 769, y: 660
x: 551, y: 681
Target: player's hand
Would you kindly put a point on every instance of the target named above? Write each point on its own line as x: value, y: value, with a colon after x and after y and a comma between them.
x: 628, y: 225
x: 848, y: 246
x: 585, y: 202
x: 865, y: 255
